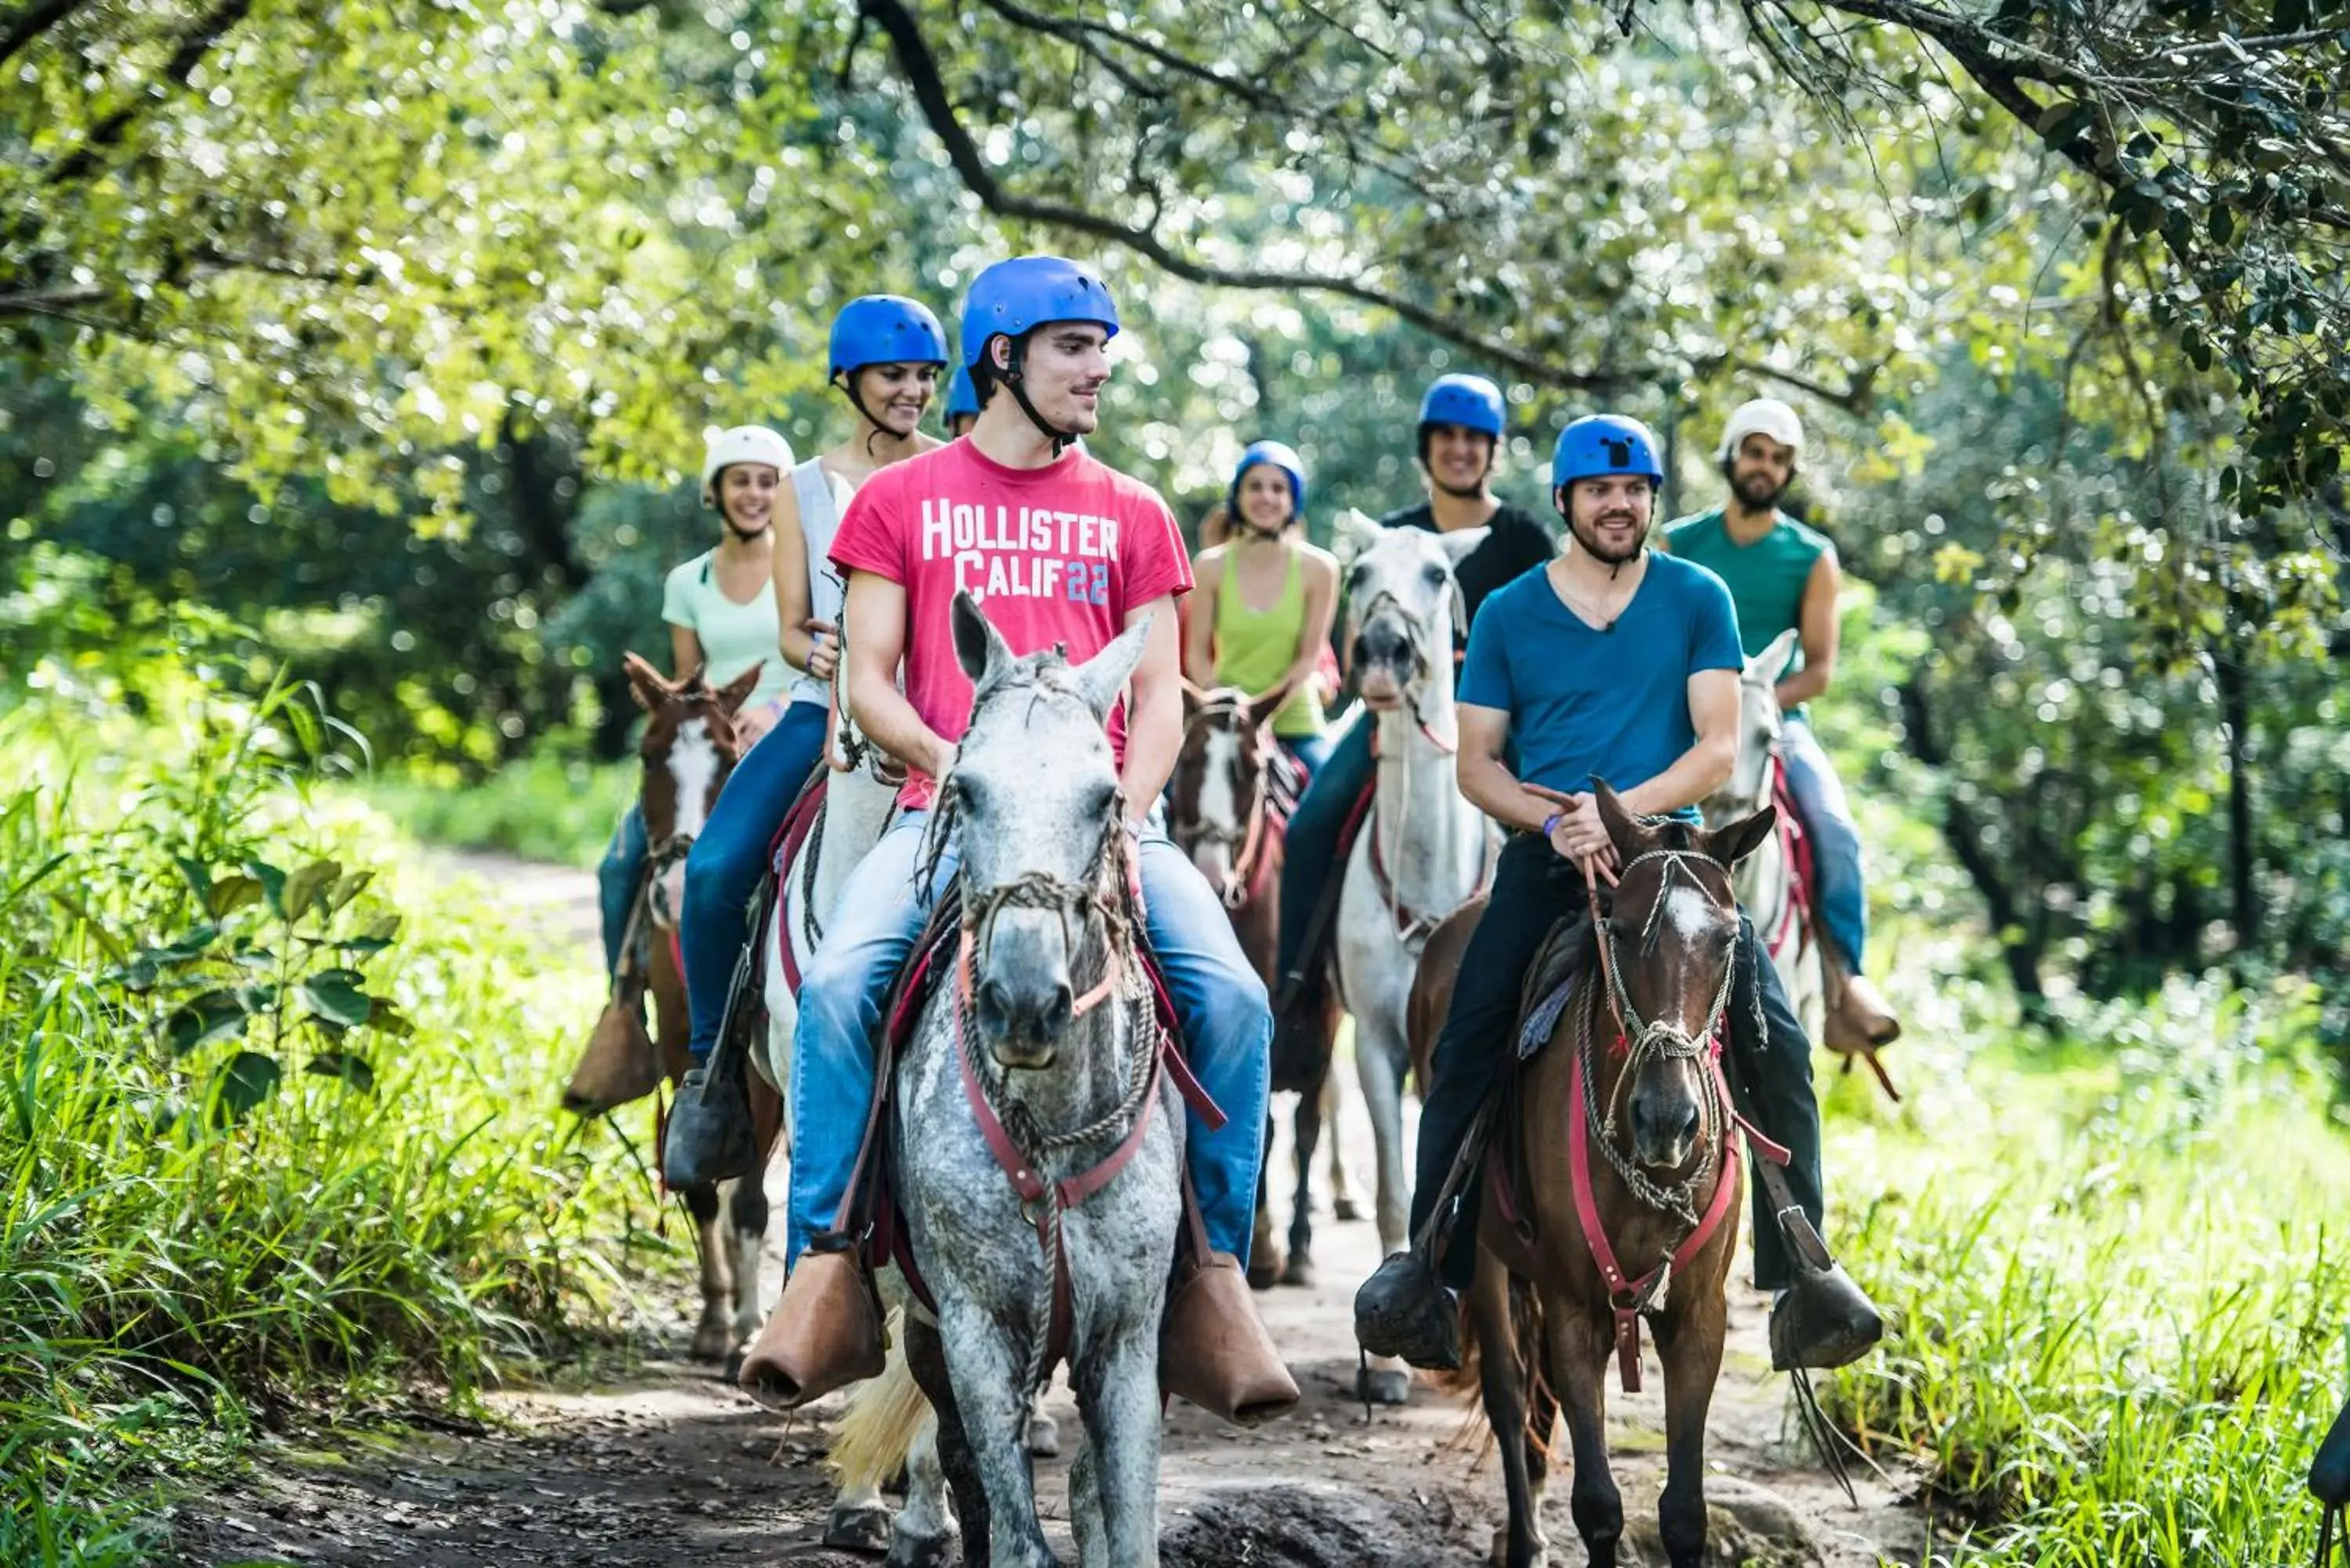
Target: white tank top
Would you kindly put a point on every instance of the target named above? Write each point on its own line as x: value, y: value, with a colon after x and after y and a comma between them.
x: 820, y: 503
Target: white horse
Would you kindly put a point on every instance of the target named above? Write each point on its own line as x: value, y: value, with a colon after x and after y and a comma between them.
x: 1765, y: 880
x: 1424, y: 851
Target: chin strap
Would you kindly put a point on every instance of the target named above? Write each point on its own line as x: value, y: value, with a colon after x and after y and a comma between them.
x: 1015, y: 380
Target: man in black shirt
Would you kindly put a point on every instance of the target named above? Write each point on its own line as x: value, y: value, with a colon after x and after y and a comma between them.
x: 1461, y: 422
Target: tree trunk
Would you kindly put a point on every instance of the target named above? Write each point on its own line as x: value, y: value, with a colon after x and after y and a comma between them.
x: 2010, y: 921
x: 2236, y: 714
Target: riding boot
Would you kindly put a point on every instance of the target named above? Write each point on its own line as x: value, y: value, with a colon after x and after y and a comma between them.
x: 1213, y: 1349
x: 1405, y: 1310
x: 825, y: 1333
x: 710, y: 1136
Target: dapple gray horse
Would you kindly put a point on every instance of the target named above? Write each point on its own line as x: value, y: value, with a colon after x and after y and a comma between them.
x: 1014, y: 1035
x: 1424, y: 850
x: 1764, y: 880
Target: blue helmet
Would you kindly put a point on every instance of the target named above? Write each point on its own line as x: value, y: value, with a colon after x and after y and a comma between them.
x: 1471, y: 402
x: 1016, y: 298
x: 885, y: 329
x: 962, y: 397
x: 1273, y: 453
x: 1597, y: 445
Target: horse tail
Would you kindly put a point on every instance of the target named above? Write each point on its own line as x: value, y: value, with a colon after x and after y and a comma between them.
x: 1529, y: 1337
x: 885, y: 1415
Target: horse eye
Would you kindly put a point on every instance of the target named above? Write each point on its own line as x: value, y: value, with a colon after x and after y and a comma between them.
x: 1434, y: 575
x: 968, y: 793
x: 1358, y: 575
x: 1103, y: 797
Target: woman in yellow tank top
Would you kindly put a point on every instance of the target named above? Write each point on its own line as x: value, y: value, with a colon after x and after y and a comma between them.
x: 1273, y: 595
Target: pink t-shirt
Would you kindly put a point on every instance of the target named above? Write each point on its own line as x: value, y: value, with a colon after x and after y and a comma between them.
x: 1059, y: 553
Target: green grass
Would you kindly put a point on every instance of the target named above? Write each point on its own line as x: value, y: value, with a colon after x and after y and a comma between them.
x: 2121, y: 1270
x: 541, y: 808
x: 277, y: 1121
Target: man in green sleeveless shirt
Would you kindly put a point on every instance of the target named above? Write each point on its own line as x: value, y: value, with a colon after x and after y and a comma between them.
x: 1783, y: 576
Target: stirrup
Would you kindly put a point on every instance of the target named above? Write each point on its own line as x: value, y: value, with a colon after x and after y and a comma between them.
x: 824, y: 1333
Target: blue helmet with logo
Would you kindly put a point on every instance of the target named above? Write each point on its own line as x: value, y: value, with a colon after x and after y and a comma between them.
x: 1471, y: 402
x: 962, y: 397
x: 1015, y: 297
x: 885, y: 329
x: 1598, y: 445
x: 1270, y: 454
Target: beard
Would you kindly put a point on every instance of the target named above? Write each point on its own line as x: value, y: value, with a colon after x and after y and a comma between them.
x: 1755, y: 491
x: 1587, y: 535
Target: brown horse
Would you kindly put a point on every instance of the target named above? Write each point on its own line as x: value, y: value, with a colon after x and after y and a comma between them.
x: 690, y: 743
x: 1221, y: 814
x: 1628, y: 1070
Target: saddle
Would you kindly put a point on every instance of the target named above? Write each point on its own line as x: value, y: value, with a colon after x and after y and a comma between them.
x: 1795, y: 841
x: 801, y: 823
x: 871, y: 1208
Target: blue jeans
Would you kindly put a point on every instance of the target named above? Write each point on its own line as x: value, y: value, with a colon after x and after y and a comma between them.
x: 1835, y: 842
x: 615, y: 879
x: 721, y: 871
x: 1311, y: 857
x: 1219, y: 1000
x: 1312, y: 751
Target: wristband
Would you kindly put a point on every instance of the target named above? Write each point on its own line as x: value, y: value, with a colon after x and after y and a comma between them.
x: 1550, y: 823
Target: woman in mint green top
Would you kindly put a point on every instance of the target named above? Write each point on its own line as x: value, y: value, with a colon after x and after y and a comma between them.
x: 1264, y: 601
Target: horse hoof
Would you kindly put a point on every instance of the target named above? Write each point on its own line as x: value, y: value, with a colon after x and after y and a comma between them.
x: 734, y: 1372
x: 1300, y: 1271
x: 1264, y: 1274
x: 920, y: 1551
x: 1044, y: 1437
x: 1383, y: 1385
x: 1343, y: 1209
x: 862, y: 1530
x: 714, y: 1345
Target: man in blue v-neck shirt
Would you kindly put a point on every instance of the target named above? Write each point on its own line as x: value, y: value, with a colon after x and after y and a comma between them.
x: 1619, y: 663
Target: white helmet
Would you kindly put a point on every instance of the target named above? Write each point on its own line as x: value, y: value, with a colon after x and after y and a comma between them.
x: 1763, y: 416
x: 744, y: 443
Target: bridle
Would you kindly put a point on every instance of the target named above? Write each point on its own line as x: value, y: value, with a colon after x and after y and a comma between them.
x: 1646, y: 1040
x: 1414, y: 639
x: 664, y: 855
x: 1244, y: 842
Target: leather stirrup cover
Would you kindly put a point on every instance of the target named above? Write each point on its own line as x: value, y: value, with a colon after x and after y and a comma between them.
x: 1213, y: 1349
x: 824, y: 1333
x: 619, y: 1064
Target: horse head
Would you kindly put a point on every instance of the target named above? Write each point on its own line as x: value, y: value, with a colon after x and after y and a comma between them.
x: 1748, y: 788
x: 1669, y: 947
x: 1402, y: 605
x: 690, y: 745
x: 1223, y: 785
x: 1033, y: 794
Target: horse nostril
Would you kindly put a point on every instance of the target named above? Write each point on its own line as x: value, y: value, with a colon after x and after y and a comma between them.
x: 1689, y: 1127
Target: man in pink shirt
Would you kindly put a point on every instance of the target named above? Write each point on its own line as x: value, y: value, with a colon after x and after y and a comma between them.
x: 1057, y: 548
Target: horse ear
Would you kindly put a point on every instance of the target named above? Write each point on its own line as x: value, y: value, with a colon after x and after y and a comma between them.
x: 1267, y: 703
x: 1457, y: 544
x: 1743, y: 838
x: 1765, y: 667
x: 1194, y: 699
x: 1351, y: 534
x: 978, y: 647
x: 737, y: 692
x: 1624, y: 830
x: 1104, y: 676
x: 645, y: 682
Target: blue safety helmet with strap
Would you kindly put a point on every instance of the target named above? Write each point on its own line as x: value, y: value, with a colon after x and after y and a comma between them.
x: 1598, y: 445
x: 962, y: 397
x: 1269, y: 454
x: 1011, y: 299
x: 885, y: 329
x: 1471, y: 402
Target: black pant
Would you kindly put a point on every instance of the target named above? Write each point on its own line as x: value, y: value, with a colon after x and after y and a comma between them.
x: 1770, y: 1065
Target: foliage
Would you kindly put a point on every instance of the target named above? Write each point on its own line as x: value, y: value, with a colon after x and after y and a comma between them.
x: 2119, y: 1285
x: 539, y: 807
x: 181, y: 1254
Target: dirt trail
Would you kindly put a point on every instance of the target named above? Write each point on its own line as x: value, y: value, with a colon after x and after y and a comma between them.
x: 671, y: 1467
